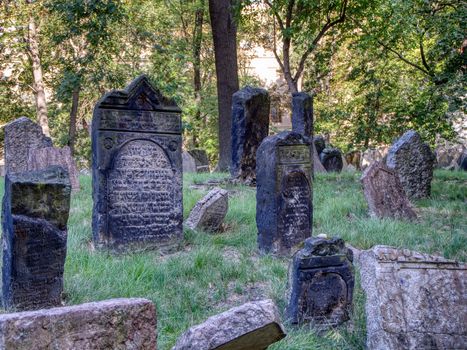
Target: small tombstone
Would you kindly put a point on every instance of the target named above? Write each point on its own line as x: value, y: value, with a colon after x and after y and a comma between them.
x: 103, y: 325
x: 189, y: 163
x: 384, y: 193
x: 250, y: 125
x: 40, y: 158
x: 413, y: 161
x: 22, y: 135
x: 317, y: 166
x: 137, y: 169
x: 372, y: 155
x: 302, y: 113
x: 251, y: 326
x: 413, y: 300
x: 208, y: 214
x: 353, y: 158
x: 331, y: 158
x: 284, y: 192
x: 320, y: 143
x: 321, y: 284
x: 35, y: 214
x: 462, y: 161
x: 201, y: 159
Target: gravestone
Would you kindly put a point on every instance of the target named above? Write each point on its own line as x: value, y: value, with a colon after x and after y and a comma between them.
x: 384, y: 193
x: 201, y: 160
x: 413, y: 161
x: 331, y: 158
x: 317, y: 166
x: 137, y: 169
x: 284, y: 192
x: 35, y: 214
x: 302, y: 113
x: 22, y: 135
x: 208, y: 213
x: 251, y: 326
x: 189, y: 163
x: 372, y: 155
x: 104, y: 325
x: 353, y: 158
x: 413, y: 300
x: 462, y: 161
x: 321, y: 284
x: 320, y: 143
x: 41, y: 158
x: 250, y: 125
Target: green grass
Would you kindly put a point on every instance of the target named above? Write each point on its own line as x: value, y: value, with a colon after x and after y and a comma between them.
x: 215, y: 272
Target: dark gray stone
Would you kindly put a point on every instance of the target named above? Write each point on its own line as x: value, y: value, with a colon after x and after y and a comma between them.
x: 189, y: 163
x: 35, y: 214
x: 413, y: 161
x: 331, y: 158
x: 462, y: 161
x: 250, y: 125
x: 284, y: 192
x: 321, y: 284
x: 302, y: 113
x: 208, y: 213
x: 201, y: 160
x: 320, y: 143
x: 137, y: 169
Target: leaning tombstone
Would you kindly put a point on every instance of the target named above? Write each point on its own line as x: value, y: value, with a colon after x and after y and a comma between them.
x: 201, y: 160
x: 22, y: 135
x: 331, y: 158
x: 320, y: 143
x: 251, y: 326
x: 250, y: 125
x: 208, y: 213
x: 35, y: 214
x: 188, y: 163
x: 284, y: 192
x: 384, y: 193
x: 413, y: 300
x: 413, y: 161
x: 321, y: 284
x: 137, y: 169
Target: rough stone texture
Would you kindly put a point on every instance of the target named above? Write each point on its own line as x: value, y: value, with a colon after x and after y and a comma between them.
x: 413, y: 300
x: 21, y: 135
x: 413, y: 161
x: 302, y: 113
x: 208, y: 213
x: 462, y: 161
x: 320, y: 143
x: 250, y: 125
x: 41, y: 158
x: 35, y: 213
x: 137, y: 169
x: 321, y: 284
x: 189, y: 163
x: 117, y: 324
x: 252, y: 326
x: 384, y: 193
x: 372, y: 155
x: 284, y: 194
x: 447, y: 153
x: 201, y: 159
x: 331, y: 158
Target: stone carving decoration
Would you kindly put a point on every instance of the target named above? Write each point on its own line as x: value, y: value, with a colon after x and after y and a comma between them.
x: 35, y: 214
x: 331, y: 158
x: 284, y: 192
x: 250, y: 125
x: 413, y: 161
x: 137, y: 169
x: 384, y: 193
x: 413, y: 300
x: 208, y: 213
x: 321, y: 284
x: 22, y: 135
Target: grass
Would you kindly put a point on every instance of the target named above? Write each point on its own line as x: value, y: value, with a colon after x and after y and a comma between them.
x: 215, y: 272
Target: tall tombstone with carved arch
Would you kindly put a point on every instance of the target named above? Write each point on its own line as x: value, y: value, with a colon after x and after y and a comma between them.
x: 137, y: 169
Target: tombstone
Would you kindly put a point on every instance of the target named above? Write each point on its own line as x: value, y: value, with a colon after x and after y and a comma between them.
x: 284, y: 192
x: 35, y: 214
x: 22, y: 135
x: 413, y: 300
x: 320, y: 143
x: 413, y: 161
x: 447, y: 153
x: 302, y: 113
x: 462, y: 161
x: 353, y: 158
x: 137, y: 169
x: 331, y: 158
x: 321, y: 284
x: 372, y: 155
x: 201, y: 159
x: 189, y: 163
x: 208, y: 213
x: 109, y: 324
x: 251, y: 326
x: 250, y: 125
x: 384, y: 193
x: 41, y: 158
x: 317, y: 166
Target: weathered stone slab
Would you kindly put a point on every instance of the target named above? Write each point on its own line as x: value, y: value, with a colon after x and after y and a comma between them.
x: 413, y: 161
x: 41, y: 158
x: 111, y: 324
x: 189, y: 163
x: 384, y: 193
x: 284, y: 195
x: 462, y: 161
x: 353, y: 158
x: 331, y: 158
x: 413, y: 300
x: 252, y: 326
x: 302, y: 113
x: 320, y: 143
x: 317, y: 166
x: 250, y: 125
x: 208, y: 213
x: 22, y: 135
x: 35, y: 213
x: 201, y: 160
x: 372, y: 155
x: 137, y: 169
x: 321, y: 284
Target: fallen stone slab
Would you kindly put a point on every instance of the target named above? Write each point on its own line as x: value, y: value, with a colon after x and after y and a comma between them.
x: 251, y: 326
x: 209, y: 212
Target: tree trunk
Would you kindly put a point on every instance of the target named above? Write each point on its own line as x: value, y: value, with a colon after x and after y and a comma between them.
x: 73, y: 117
x: 41, y: 103
x: 197, y: 41
x: 224, y: 34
